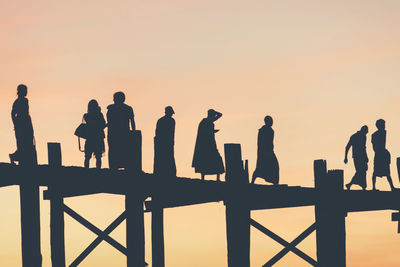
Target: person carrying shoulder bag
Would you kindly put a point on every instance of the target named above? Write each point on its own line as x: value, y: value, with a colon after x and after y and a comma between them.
x: 95, y: 125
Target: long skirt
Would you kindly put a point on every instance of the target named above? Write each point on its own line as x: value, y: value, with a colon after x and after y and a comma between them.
x: 382, y: 163
x: 361, y: 166
x: 26, y: 149
x: 164, y: 161
x: 209, y: 162
x: 267, y: 168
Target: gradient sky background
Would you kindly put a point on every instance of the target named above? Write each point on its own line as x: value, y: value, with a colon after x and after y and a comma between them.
x: 321, y: 69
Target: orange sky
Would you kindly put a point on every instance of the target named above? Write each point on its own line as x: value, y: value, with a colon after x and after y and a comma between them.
x: 320, y: 69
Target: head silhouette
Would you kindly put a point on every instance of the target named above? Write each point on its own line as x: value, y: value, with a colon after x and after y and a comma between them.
x: 211, y: 113
x: 22, y: 90
x: 268, y: 121
x: 119, y: 98
x: 380, y: 124
x: 364, y: 129
x: 93, y: 106
x: 169, y: 111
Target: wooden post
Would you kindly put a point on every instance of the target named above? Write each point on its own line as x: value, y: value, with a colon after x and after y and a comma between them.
x: 30, y: 211
x: 135, y: 240
x: 57, y: 228
x: 30, y: 224
x: 157, y: 235
x: 398, y: 167
x: 135, y: 231
x: 330, y: 216
x: 135, y: 157
x: 237, y: 213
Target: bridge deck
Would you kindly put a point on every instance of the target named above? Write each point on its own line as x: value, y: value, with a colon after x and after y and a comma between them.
x: 77, y: 181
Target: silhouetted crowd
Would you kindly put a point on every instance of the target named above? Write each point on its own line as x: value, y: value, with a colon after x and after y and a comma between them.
x: 122, y: 137
x: 381, y: 160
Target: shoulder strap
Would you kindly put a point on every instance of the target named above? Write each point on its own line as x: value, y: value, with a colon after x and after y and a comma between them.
x: 79, y: 144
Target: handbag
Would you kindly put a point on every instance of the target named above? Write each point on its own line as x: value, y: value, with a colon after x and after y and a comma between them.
x: 81, y: 132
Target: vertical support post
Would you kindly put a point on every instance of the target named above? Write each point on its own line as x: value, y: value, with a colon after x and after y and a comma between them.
x: 57, y: 227
x: 135, y: 157
x: 135, y: 231
x: 30, y: 211
x: 398, y: 167
x: 30, y: 224
x: 237, y: 212
x: 157, y: 235
x: 330, y: 216
x: 135, y: 239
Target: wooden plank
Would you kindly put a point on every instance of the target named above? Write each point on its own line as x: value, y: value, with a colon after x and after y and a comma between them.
x: 135, y: 242
x: 30, y: 225
x: 30, y: 209
x: 237, y: 215
x: 57, y: 227
x: 157, y: 235
x: 330, y: 217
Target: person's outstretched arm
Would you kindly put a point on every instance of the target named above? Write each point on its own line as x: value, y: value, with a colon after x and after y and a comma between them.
x: 133, y: 124
x: 347, y: 150
x: 132, y: 119
x: 13, y: 113
x: 217, y: 115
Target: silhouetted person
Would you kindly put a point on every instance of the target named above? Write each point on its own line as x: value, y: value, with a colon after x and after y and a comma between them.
x: 164, y: 161
x: 357, y: 143
x: 267, y: 163
x: 120, y: 119
x: 26, y: 151
x: 206, y: 158
x: 382, y: 155
x: 95, y: 139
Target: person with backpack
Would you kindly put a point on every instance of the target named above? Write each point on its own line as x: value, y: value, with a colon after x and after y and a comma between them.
x: 95, y: 125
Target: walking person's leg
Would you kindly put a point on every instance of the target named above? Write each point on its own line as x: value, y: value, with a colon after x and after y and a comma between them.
x: 87, y: 160
x: 253, y: 179
x: 373, y: 182
x: 98, y: 161
x: 390, y: 182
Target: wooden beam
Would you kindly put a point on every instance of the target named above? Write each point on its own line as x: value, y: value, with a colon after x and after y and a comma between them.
x: 101, y: 234
x: 99, y: 239
x: 30, y: 225
x: 57, y: 227
x: 237, y: 213
x: 30, y: 208
x: 283, y: 242
x: 157, y: 236
x: 135, y: 231
x: 330, y: 217
x: 292, y: 245
x: 398, y: 167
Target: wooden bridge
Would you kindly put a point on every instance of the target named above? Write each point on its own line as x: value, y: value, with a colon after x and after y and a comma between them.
x: 331, y: 203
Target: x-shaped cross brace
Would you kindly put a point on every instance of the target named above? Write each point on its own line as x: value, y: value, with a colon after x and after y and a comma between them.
x: 288, y: 246
x: 101, y: 235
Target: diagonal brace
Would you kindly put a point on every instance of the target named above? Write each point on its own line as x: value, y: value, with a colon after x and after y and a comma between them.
x: 283, y: 242
x: 292, y: 244
x: 102, y: 235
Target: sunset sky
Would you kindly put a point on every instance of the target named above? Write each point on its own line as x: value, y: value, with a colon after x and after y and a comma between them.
x: 321, y: 69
